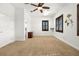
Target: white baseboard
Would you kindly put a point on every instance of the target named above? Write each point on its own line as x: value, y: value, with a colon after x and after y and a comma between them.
x: 3, y: 44
x: 20, y: 39
x: 68, y: 43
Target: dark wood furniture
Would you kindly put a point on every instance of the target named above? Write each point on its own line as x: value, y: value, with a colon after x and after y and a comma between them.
x: 30, y: 34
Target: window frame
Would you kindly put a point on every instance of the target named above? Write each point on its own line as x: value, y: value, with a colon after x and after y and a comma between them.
x: 58, y: 19
x: 44, y: 26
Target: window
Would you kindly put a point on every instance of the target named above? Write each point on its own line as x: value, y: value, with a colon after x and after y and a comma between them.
x: 45, y: 25
x: 59, y: 24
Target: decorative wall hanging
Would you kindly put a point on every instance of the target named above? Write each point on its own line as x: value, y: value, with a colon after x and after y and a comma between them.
x: 69, y: 20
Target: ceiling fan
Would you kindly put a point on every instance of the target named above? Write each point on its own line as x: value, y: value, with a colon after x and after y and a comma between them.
x: 39, y: 7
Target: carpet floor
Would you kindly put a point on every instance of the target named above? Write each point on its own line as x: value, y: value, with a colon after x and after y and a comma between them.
x: 39, y: 46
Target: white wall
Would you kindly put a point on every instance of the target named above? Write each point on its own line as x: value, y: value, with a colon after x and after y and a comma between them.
x: 19, y: 24
x: 70, y: 32
x: 27, y: 23
x: 27, y: 20
x: 7, y: 34
x: 36, y: 26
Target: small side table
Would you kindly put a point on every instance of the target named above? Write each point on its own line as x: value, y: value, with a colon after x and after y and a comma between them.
x: 30, y: 34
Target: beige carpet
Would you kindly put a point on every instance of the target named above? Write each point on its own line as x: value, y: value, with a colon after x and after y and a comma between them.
x: 38, y: 46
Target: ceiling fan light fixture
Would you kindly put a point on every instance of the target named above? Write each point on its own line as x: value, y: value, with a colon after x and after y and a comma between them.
x: 40, y: 8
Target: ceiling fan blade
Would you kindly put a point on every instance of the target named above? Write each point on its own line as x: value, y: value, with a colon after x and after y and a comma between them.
x: 34, y: 10
x: 40, y: 4
x: 34, y: 5
x: 41, y: 11
x: 45, y: 7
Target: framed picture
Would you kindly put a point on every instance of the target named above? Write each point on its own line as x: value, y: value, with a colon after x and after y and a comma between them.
x: 59, y: 24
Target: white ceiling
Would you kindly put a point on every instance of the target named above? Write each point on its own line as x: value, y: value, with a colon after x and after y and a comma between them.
x: 54, y: 7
